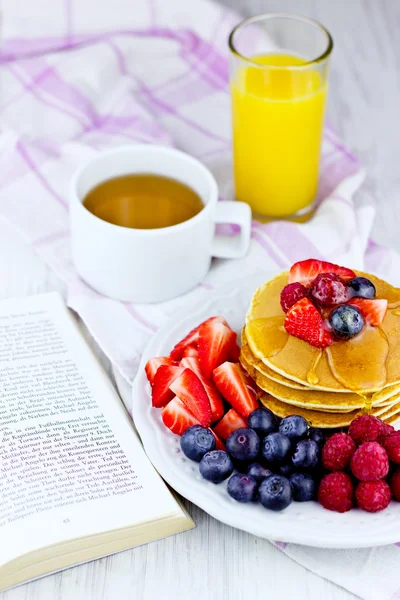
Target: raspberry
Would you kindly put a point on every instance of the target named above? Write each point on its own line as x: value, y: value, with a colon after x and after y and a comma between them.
x: 395, y: 484
x: 328, y: 290
x: 336, y: 492
x: 369, y: 462
x: 365, y: 429
x: 291, y: 294
x: 373, y: 496
x: 385, y: 430
x: 391, y: 443
x: 337, y: 452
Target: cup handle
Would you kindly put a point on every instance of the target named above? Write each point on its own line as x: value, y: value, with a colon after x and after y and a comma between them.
x: 234, y: 213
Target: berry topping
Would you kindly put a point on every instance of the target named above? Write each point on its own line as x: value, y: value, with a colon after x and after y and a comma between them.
x: 328, y: 289
x: 373, y: 311
x: 337, y: 452
x: 216, y: 466
x: 242, y: 488
x: 336, y: 492
x: 373, y: 496
x: 370, y: 462
x: 346, y: 321
x: 275, y: 492
x: 317, y: 435
x: 160, y: 392
x: 361, y: 287
x: 229, y: 423
x: 276, y: 448
x: 365, y: 428
x: 386, y: 429
x: 153, y: 364
x: 306, y: 455
x: 292, y: 293
x: 395, y: 484
x: 294, y: 427
x: 263, y: 421
x: 304, y: 321
x: 303, y: 486
x: 190, y: 390
x: 216, y: 403
x: 243, y: 444
x: 306, y: 271
x: 192, y: 338
x: 234, y: 386
x: 177, y: 417
x: 196, y: 441
x: 391, y: 443
x: 216, y: 342
x: 259, y: 472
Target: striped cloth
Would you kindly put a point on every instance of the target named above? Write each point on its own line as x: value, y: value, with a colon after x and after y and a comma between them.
x: 83, y: 76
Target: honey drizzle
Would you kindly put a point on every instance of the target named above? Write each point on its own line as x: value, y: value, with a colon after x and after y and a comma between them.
x: 312, y: 376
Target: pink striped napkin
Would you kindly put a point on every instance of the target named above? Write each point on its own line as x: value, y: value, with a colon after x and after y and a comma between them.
x: 78, y: 77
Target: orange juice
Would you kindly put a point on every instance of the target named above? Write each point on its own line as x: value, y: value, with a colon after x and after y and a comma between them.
x: 278, y: 116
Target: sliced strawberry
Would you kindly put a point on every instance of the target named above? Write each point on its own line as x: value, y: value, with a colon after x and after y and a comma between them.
x: 219, y: 444
x: 304, y: 321
x: 231, y: 382
x: 192, y: 338
x: 216, y: 403
x: 177, y: 417
x: 190, y: 351
x: 160, y: 393
x: 229, y: 423
x: 216, y: 342
x: 234, y: 354
x: 153, y: 364
x: 190, y: 390
x: 306, y: 271
x: 373, y: 311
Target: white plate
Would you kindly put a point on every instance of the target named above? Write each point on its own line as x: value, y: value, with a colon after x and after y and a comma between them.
x: 302, y: 523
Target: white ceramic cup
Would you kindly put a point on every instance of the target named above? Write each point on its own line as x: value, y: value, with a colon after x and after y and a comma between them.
x: 151, y: 265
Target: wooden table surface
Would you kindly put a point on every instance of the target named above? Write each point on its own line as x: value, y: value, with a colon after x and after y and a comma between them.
x: 215, y: 561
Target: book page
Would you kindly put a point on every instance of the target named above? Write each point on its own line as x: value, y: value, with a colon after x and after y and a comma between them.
x: 70, y: 462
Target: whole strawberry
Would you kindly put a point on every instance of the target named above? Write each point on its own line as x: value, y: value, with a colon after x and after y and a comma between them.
x: 336, y: 492
x: 365, y: 428
x: 328, y: 289
x: 395, y: 484
x: 391, y: 443
x: 292, y: 293
x: 373, y: 496
x: 337, y: 452
x: 370, y: 462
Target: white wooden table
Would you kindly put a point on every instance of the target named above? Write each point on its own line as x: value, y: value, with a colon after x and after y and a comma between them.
x: 215, y: 561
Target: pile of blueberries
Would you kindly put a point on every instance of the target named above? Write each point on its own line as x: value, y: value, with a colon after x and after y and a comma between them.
x: 274, y: 462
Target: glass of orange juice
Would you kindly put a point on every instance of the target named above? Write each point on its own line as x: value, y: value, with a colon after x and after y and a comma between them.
x: 279, y: 78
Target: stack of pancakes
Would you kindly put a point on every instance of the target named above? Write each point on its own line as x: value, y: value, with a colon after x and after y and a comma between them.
x: 328, y: 387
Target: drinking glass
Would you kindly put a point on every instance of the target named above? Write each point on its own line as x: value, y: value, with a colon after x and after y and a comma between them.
x: 279, y: 78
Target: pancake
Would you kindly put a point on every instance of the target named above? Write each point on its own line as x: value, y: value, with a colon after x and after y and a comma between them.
x: 368, y: 363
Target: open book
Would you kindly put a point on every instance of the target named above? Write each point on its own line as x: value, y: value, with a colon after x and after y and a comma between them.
x: 75, y: 483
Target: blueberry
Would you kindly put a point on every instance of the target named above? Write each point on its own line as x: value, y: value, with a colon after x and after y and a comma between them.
x: 286, y: 470
x: 196, y: 441
x: 303, y: 487
x: 259, y: 472
x: 317, y: 435
x: 346, y: 321
x: 294, y: 427
x: 276, y: 448
x: 243, y: 444
x: 216, y: 466
x: 263, y: 421
x: 275, y: 492
x: 242, y: 488
x: 361, y: 287
x: 306, y: 455
x: 241, y: 465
